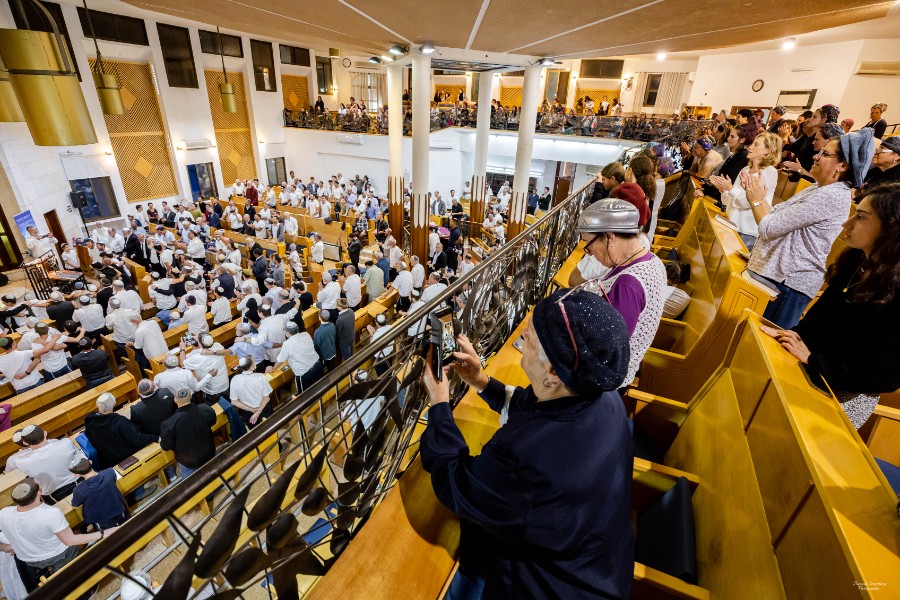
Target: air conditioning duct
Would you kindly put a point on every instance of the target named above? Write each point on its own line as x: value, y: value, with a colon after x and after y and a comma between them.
x: 351, y: 139
x: 196, y: 144
x: 878, y: 68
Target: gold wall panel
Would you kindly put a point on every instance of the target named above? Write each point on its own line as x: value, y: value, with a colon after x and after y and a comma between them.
x: 510, y: 96
x: 453, y: 90
x: 295, y: 91
x: 233, y: 139
x: 596, y: 95
x: 138, y: 137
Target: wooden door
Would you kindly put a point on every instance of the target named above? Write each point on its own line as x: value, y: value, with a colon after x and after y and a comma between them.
x: 55, y: 229
x: 561, y: 190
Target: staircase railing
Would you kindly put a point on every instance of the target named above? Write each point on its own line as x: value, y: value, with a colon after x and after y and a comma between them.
x: 344, y: 442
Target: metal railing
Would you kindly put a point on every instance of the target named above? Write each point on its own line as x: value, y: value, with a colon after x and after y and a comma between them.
x: 362, y: 440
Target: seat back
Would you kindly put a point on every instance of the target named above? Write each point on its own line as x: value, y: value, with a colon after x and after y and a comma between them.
x: 665, y: 534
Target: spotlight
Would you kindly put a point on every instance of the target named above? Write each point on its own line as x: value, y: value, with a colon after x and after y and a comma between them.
x: 398, y: 49
x: 427, y: 48
x: 375, y: 60
x: 546, y: 61
x: 789, y: 44
x: 387, y: 58
x: 661, y: 56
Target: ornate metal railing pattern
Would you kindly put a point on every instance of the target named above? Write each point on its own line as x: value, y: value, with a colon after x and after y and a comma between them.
x: 368, y: 419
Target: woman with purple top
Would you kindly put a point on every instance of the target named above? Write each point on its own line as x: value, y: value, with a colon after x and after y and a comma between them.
x: 636, y: 282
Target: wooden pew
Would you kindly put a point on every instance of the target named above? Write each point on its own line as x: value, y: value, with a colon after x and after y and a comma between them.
x: 139, y: 276
x: 24, y: 406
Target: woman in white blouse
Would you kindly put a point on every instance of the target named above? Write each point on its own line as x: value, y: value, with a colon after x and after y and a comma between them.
x: 762, y: 156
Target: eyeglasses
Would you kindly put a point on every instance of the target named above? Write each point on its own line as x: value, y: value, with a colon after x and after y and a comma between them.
x: 827, y: 154
x: 562, y: 308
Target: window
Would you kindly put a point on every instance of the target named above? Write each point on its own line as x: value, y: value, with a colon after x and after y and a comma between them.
x: 178, y: 56
x: 275, y: 171
x: 37, y: 21
x: 653, y: 81
x: 370, y: 89
x: 323, y: 75
x: 294, y: 56
x: 263, y: 66
x: 601, y: 69
x: 114, y: 28
x: 99, y: 196
x: 203, y: 180
x: 231, y: 44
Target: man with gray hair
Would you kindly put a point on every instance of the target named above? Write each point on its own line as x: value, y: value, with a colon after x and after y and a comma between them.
x: 113, y: 436
x: 154, y: 407
x: 248, y: 345
x: 127, y: 298
x: 209, y: 358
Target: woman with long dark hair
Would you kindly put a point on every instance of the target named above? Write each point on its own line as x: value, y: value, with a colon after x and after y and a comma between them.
x: 851, y: 335
x: 730, y: 169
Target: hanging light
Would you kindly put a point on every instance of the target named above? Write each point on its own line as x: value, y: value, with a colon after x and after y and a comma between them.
x: 375, y: 60
x: 107, y: 85
x: 398, y: 50
x: 10, y: 111
x: 226, y: 90
x: 42, y: 74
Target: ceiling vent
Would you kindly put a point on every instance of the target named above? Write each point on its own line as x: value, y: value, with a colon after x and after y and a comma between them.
x: 878, y: 68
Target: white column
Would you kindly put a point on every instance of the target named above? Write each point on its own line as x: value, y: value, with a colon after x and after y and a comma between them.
x: 421, y: 123
x: 531, y: 92
x: 482, y: 136
x: 395, y: 150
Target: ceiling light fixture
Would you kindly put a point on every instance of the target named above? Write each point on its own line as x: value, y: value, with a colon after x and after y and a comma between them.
x: 661, y: 56
x: 385, y: 58
x: 108, y: 89
x: 426, y: 48
x: 226, y: 90
x: 375, y: 60
x: 398, y: 49
x: 789, y: 44
x: 546, y: 61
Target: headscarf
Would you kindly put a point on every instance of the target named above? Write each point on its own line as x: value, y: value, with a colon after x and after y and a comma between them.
x: 858, y: 149
x: 831, y: 113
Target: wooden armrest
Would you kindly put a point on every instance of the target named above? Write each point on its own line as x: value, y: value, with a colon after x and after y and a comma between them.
x: 646, y: 398
x: 886, y: 412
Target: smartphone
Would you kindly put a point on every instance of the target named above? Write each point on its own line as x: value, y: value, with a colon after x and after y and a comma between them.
x: 519, y: 343
x: 443, y: 340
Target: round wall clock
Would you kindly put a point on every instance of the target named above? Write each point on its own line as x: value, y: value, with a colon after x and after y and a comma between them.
x: 758, y: 85
x: 346, y: 63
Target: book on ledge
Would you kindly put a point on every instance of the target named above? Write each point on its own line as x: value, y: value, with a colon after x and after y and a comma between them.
x: 127, y: 464
x: 726, y: 222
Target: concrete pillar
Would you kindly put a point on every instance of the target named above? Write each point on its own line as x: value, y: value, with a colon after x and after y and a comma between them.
x: 421, y: 129
x: 482, y: 137
x: 531, y: 97
x: 395, y: 148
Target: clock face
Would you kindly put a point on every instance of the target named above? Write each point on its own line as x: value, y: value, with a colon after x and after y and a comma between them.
x: 758, y: 85
x: 346, y: 63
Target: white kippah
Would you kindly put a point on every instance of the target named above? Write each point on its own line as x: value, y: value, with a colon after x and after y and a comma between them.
x: 170, y: 361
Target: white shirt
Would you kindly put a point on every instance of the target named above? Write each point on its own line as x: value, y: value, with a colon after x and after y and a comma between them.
x: 433, y: 239
x: 201, y: 363
x: 32, y: 533
x: 465, y: 267
x: 378, y: 333
x: 120, y: 321
x: 129, y: 299
x: 235, y: 220
x: 90, y: 316
x: 353, y: 290
x: 163, y: 301
x: 318, y: 252
x: 48, y: 465
x: 179, y: 379
x: 418, y: 275
x: 101, y: 235
x: 299, y: 352
x: 325, y: 210
x: 394, y: 256
x: 53, y: 360
x: 432, y: 291
x: 290, y: 226
x: 404, y: 283
x: 70, y: 259
x: 15, y: 362
x: 149, y: 338
x: 313, y: 208
x: 221, y: 310
x: 250, y: 389
x: 117, y: 243
x: 329, y: 295
x: 196, y: 249
x: 195, y: 317
x: 271, y: 329
x: 39, y: 246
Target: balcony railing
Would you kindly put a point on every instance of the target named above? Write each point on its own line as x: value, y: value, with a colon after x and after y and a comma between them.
x: 343, y: 443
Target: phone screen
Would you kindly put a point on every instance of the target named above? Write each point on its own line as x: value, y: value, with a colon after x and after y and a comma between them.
x: 448, y: 337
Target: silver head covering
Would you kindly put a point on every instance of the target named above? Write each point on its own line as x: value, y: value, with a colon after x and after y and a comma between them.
x: 609, y: 216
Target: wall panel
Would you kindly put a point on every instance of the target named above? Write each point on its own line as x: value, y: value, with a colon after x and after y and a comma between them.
x: 233, y: 139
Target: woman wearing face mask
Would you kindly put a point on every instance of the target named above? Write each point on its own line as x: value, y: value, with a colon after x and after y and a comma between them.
x: 636, y: 281
x: 851, y: 335
x: 763, y: 154
x: 796, y: 236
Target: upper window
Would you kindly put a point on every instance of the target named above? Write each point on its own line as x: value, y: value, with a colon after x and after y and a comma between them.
x: 263, y: 66
x: 601, y: 68
x: 291, y: 55
x: 323, y: 74
x: 653, y: 81
x: 113, y: 27
x: 231, y: 44
x: 175, y: 43
x: 37, y: 21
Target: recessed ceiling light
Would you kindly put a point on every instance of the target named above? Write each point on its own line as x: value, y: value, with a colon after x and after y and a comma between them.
x: 789, y: 44
x: 427, y: 48
x: 661, y: 56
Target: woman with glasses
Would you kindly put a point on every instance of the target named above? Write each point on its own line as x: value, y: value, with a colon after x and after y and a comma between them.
x: 796, y: 236
x: 885, y: 163
x: 828, y: 131
x: 635, y: 283
x: 545, y: 506
x: 851, y: 336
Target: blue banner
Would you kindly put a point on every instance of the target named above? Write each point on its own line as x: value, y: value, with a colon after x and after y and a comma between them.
x: 24, y: 220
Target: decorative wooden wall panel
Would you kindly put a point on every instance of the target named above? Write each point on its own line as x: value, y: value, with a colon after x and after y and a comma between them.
x: 510, y: 96
x: 453, y: 90
x: 233, y: 139
x: 295, y: 90
x: 597, y: 96
x: 138, y: 138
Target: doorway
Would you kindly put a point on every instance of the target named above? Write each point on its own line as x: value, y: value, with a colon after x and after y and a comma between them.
x: 55, y: 229
x: 556, y: 86
x: 10, y: 255
x: 563, y: 184
x: 203, y: 180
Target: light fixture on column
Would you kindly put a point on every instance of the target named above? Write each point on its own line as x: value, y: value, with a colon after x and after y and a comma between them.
x: 427, y: 48
x: 107, y: 85
x: 398, y: 50
x: 661, y: 56
x: 546, y: 62
x: 375, y: 60
x: 226, y: 90
x: 789, y: 44
x: 10, y: 111
x: 43, y: 77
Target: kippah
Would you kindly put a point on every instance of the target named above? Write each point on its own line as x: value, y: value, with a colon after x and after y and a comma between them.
x: 41, y: 328
x: 115, y: 303
x: 145, y: 387
x: 28, y: 428
x: 154, y: 275
x: 381, y: 319
x: 17, y: 437
x: 24, y: 489
x: 245, y: 363
x: 53, y: 296
x: 79, y: 285
x: 92, y: 287
x: 118, y: 283
x: 284, y: 294
x: 170, y: 361
x: 77, y: 463
x: 84, y: 343
x: 31, y: 322
x: 4, y: 342
x: 244, y: 327
x: 84, y: 299
x: 207, y: 340
x: 183, y: 394
x: 291, y: 328
x: 220, y: 289
x: 416, y: 293
x: 270, y: 280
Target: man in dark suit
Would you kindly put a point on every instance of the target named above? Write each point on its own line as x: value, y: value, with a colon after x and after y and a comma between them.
x: 168, y: 216
x: 136, y: 248
x: 438, y: 259
x: 154, y: 407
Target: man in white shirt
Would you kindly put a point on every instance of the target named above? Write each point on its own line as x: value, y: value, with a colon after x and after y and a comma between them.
x: 177, y: 378
x: 148, y: 341
x: 290, y: 225
x: 191, y: 289
x: 46, y: 461
x: 122, y: 323
x: 196, y: 251
x: 381, y: 364
x: 328, y: 296
x: 394, y: 254
x: 326, y: 209
x: 116, y: 242
x: 433, y: 239
x: 317, y: 252
x: 161, y: 293
x: 38, y: 244
x: 352, y: 287
x: 404, y: 286
x: 220, y: 307
x: 235, y: 220
x: 70, y: 258
x: 273, y: 293
x: 54, y: 359
x: 271, y: 329
x: 207, y: 359
x: 313, y: 207
x: 250, y: 393
x: 418, y: 273
x: 20, y: 366
x: 127, y: 298
x: 433, y: 288
x: 195, y: 316
x: 299, y: 352
x: 90, y: 316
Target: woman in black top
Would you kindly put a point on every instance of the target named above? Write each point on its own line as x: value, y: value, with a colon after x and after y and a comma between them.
x: 875, y: 120
x: 851, y: 336
x: 730, y: 168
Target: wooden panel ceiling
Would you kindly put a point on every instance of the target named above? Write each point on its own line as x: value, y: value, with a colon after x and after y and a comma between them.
x: 556, y: 28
